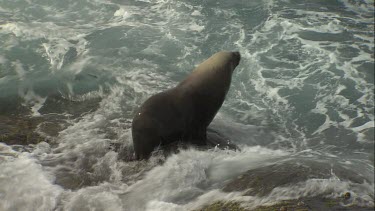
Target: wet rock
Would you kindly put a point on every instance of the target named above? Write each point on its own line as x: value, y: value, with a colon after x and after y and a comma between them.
x: 12, y: 105
x: 263, y: 180
x: 305, y: 204
x: 233, y: 205
x: 224, y: 206
x: 52, y: 127
x: 19, y: 127
x: 283, y: 208
x: 57, y: 104
x: 15, y: 130
x: 293, y: 205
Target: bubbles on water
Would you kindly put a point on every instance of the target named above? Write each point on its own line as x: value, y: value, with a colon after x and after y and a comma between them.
x: 24, y: 184
x: 104, y: 197
x: 301, y: 69
x: 32, y: 100
x: 186, y: 176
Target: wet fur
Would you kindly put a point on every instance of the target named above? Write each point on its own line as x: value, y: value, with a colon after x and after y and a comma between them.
x: 183, y: 113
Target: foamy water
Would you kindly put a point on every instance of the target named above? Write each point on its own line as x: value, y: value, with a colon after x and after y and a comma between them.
x: 302, y: 95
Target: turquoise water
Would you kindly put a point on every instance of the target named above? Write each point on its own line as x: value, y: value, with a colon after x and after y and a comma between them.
x: 304, y: 91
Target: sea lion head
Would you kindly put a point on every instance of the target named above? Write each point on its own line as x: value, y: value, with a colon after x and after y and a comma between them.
x: 228, y: 57
x: 237, y: 57
x: 223, y: 60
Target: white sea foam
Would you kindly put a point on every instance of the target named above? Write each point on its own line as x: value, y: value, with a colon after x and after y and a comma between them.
x: 55, y: 51
x: 188, y: 174
x: 103, y: 197
x: 360, y: 7
x: 329, y: 23
x: 361, y: 195
x: 57, y: 44
x: 32, y: 100
x: 24, y: 184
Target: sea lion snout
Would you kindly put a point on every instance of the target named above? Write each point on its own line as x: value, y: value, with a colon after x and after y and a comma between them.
x: 236, y: 53
x: 237, y: 56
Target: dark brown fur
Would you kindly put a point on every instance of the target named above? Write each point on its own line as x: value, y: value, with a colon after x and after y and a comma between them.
x: 183, y: 113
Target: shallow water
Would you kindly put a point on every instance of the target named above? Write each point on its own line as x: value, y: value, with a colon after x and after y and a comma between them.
x: 302, y: 94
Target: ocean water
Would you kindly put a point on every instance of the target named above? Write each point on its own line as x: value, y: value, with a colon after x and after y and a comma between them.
x: 303, y: 95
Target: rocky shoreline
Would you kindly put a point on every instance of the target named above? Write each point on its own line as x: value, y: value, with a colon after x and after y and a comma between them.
x: 24, y: 129
x: 262, y: 181
x: 19, y: 127
x: 302, y: 204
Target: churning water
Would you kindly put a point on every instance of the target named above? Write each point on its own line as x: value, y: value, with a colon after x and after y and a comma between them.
x: 303, y: 95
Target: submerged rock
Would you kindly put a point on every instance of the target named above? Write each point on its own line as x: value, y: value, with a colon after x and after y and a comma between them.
x: 232, y: 205
x: 19, y: 127
x: 262, y: 181
x: 58, y: 104
x: 304, y: 204
x: 223, y: 206
x: 15, y: 130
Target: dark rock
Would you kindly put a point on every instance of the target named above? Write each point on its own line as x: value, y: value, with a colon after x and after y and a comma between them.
x: 308, y: 204
x: 263, y: 180
x: 15, y: 130
x: 18, y: 127
x: 57, y: 104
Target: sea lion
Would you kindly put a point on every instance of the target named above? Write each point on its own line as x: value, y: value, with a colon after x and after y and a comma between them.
x: 184, y: 112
